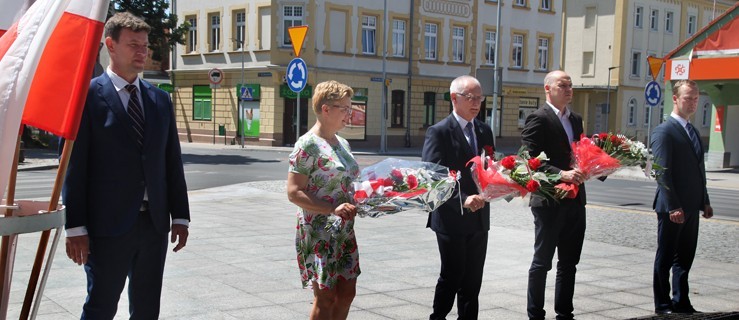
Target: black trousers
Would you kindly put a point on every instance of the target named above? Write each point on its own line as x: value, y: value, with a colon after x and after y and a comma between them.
x: 561, y: 228
x: 676, y: 245
x: 137, y: 255
x: 462, y: 262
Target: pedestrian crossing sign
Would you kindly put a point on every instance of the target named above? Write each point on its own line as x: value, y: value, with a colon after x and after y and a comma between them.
x: 246, y: 94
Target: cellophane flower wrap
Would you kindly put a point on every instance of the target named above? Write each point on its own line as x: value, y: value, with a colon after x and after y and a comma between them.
x: 393, y: 185
x: 516, y: 175
x: 606, y: 153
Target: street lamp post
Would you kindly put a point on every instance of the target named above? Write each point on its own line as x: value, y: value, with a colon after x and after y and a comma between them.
x: 608, y: 95
x: 240, y: 107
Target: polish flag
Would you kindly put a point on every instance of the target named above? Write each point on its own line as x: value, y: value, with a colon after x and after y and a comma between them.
x: 47, y: 59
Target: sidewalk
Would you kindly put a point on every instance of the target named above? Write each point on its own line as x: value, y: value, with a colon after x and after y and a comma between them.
x: 240, y: 264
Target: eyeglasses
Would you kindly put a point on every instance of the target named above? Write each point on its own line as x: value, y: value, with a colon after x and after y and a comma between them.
x: 470, y: 97
x: 344, y: 109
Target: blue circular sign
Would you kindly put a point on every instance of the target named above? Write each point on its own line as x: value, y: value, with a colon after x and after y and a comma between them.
x: 297, y: 75
x: 653, y: 93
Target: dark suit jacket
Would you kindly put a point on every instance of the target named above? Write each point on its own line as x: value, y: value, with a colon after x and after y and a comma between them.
x: 683, y: 183
x: 107, y: 172
x: 446, y: 145
x: 543, y: 132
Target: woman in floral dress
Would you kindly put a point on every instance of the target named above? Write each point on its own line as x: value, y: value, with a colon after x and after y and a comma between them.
x: 319, y: 181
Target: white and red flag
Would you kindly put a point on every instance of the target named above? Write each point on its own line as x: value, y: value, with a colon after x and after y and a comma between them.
x: 47, y: 59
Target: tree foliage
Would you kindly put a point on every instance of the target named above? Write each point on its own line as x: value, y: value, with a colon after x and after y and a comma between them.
x: 165, y: 32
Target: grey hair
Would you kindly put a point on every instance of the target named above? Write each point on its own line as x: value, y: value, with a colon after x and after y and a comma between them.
x: 460, y: 83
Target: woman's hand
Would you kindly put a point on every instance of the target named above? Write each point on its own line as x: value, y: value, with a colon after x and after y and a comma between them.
x: 345, y: 211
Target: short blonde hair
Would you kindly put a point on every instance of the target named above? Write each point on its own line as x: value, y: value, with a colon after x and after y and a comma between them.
x: 329, y: 91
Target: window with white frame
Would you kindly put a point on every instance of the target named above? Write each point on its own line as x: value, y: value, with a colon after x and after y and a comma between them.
x: 429, y: 40
x: 239, y: 29
x: 647, y: 114
x: 636, y: 63
x: 632, y: 112
x: 654, y: 20
x: 638, y: 17
x: 398, y: 38
x: 215, y: 32
x: 706, y: 119
x: 517, y: 53
x: 546, y: 5
x: 490, y: 47
x: 369, y: 27
x: 542, y: 54
x: 669, y: 16
x: 292, y: 16
x: 192, y: 34
x: 458, y: 44
x: 692, y: 23
x: 520, y: 3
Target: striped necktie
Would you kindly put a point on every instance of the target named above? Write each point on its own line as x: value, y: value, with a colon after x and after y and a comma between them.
x: 694, y: 139
x: 471, y: 135
x: 136, y: 113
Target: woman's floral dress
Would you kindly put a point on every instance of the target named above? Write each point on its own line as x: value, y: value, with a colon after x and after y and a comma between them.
x: 325, y: 255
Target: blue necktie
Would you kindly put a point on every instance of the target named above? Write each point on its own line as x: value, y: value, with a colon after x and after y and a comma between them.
x: 136, y: 113
x: 468, y: 130
x: 692, y: 132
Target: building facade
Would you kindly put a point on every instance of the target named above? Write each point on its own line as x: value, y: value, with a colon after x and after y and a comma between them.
x: 428, y: 43
x: 606, y: 48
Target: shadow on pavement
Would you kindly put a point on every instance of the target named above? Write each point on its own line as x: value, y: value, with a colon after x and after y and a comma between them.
x: 190, y: 158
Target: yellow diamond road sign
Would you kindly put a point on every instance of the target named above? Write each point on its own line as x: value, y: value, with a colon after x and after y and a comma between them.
x: 297, y: 36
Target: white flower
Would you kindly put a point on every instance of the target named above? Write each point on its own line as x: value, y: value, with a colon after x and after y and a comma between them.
x: 542, y: 156
x: 539, y: 176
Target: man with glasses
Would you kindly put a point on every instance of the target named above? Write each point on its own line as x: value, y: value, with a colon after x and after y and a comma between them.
x: 557, y: 225
x: 462, y: 223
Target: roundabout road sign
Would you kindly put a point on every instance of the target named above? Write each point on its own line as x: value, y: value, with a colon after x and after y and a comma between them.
x: 653, y: 93
x: 297, y: 75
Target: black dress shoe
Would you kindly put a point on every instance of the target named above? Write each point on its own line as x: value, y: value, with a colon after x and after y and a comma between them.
x: 687, y: 310
x: 663, y: 311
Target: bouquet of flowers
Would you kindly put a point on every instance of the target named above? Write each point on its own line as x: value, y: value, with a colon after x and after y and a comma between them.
x: 395, y: 185
x: 517, y: 175
x: 605, y: 153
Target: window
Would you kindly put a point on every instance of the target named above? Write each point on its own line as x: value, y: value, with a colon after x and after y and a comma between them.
x: 706, y: 115
x: 398, y: 105
x: 517, y: 53
x: 239, y: 29
x: 589, y: 17
x: 215, y: 32
x: 398, y: 38
x: 265, y: 28
x: 291, y: 16
x: 369, y: 26
x: 546, y: 5
x: 692, y: 23
x: 668, y: 21
x: 520, y: 3
x: 201, y: 103
x: 542, y: 54
x: 192, y: 34
x: 647, y: 114
x: 639, y: 17
x: 429, y: 40
x: 587, y: 63
x: 654, y: 20
x: 429, y: 103
x: 458, y: 44
x: 490, y: 47
x: 632, y: 111
x: 636, y: 63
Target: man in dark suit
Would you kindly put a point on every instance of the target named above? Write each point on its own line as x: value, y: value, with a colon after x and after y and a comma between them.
x: 125, y: 181
x: 558, y: 225
x: 462, y: 223
x: 681, y: 193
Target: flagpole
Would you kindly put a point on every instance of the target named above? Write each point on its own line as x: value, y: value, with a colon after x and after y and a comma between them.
x: 7, y: 251
x: 53, y: 204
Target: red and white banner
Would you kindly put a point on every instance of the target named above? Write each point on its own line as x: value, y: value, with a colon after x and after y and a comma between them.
x: 722, y: 42
x: 47, y: 59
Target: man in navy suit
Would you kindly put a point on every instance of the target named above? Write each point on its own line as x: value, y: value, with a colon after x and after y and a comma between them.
x: 462, y: 223
x: 557, y: 225
x: 125, y: 181
x: 681, y: 194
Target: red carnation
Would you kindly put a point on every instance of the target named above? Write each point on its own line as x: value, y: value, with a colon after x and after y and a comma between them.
x: 360, y: 195
x: 532, y: 185
x: 412, y: 182
x: 489, y: 150
x: 509, y: 162
x: 534, y: 163
x: 396, y: 174
x: 603, y: 135
x: 615, y: 140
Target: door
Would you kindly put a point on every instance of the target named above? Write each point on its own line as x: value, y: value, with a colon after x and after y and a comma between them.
x: 290, y: 118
